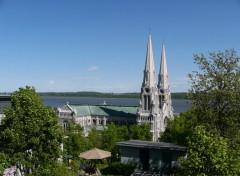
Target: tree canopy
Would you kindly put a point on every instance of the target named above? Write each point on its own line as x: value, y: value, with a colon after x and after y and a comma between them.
x: 140, y: 132
x: 208, y: 154
x: 30, y: 134
x: 215, y: 93
x: 74, y: 142
x: 179, y: 128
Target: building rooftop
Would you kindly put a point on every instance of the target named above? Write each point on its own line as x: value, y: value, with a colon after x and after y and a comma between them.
x: 104, y: 110
x: 151, y: 145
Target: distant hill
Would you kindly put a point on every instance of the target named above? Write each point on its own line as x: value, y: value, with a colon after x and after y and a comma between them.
x: 180, y: 95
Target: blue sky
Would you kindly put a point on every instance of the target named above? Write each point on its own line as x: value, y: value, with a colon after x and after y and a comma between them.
x: 100, y: 45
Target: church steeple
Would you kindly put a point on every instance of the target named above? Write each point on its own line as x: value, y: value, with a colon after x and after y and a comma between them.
x: 155, y: 107
x: 149, y: 78
x: 163, y: 73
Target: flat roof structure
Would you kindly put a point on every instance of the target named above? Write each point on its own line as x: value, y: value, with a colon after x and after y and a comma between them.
x: 151, y: 145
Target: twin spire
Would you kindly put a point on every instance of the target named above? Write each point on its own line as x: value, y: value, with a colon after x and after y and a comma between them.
x: 155, y: 106
x: 149, y: 76
x: 149, y: 72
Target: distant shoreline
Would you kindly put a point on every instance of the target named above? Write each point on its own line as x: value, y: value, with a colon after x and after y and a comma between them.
x: 178, y: 95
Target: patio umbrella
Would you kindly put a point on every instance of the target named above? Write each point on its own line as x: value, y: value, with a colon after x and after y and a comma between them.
x: 95, y: 153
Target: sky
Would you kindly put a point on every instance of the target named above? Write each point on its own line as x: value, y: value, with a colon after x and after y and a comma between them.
x: 100, y: 45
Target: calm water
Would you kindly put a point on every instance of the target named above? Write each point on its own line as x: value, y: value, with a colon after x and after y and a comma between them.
x: 178, y: 105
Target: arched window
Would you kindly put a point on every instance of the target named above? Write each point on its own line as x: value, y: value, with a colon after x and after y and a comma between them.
x: 166, y: 120
x: 65, y: 125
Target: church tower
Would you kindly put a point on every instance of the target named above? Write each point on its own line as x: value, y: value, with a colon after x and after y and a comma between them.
x: 165, y: 102
x: 154, y: 97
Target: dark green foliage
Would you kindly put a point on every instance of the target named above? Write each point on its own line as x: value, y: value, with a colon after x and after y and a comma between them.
x: 4, y: 162
x: 30, y: 133
x: 111, y: 136
x: 180, y: 95
x: 179, y: 128
x: 118, y: 169
x: 140, y: 132
x: 95, y: 138
x: 123, y: 133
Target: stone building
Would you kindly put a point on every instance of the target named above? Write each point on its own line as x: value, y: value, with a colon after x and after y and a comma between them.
x: 97, y: 116
x: 155, y: 107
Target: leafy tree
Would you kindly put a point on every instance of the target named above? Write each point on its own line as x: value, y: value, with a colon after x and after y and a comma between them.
x: 208, y: 154
x: 30, y: 134
x: 74, y: 141
x: 123, y: 133
x: 140, y: 132
x: 3, y: 162
x: 179, y: 128
x: 109, y: 139
x: 95, y: 138
x: 215, y: 93
x: 110, y: 136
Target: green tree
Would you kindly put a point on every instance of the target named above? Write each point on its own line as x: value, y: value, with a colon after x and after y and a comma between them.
x: 3, y: 162
x: 215, y: 93
x: 30, y: 134
x: 179, y: 128
x: 111, y: 136
x: 95, y: 138
x: 208, y: 154
x: 123, y: 133
x: 74, y: 142
x: 109, y: 139
x: 140, y: 132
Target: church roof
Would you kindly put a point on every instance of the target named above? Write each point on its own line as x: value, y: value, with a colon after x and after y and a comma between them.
x: 105, y: 110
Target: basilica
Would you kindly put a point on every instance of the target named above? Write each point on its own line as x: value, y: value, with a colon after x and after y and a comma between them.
x: 155, y: 105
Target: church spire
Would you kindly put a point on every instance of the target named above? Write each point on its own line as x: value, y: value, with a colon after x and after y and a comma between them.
x: 149, y: 72
x: 155, y: 106
x: 163, y: 74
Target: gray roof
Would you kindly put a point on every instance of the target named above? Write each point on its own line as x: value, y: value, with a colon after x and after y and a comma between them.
x: 105, y: 110
x: 151, y: 145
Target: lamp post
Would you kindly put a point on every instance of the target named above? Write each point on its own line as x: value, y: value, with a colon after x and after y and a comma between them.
x: 68, y: 158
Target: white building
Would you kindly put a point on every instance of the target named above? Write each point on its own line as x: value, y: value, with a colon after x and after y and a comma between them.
x: 96, y: 116
x: 155, y: 107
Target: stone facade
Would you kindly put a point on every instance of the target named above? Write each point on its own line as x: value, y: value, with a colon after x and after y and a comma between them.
x: 96, y: 116
x: 155, y: 107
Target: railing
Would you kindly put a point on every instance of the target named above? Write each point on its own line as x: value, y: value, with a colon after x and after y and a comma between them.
x: 139, y: 172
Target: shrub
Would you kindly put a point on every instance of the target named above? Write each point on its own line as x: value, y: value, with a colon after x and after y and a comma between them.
x: 118, y: 169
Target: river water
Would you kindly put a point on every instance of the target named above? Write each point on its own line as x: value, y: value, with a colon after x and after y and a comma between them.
x: 178, y: 105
